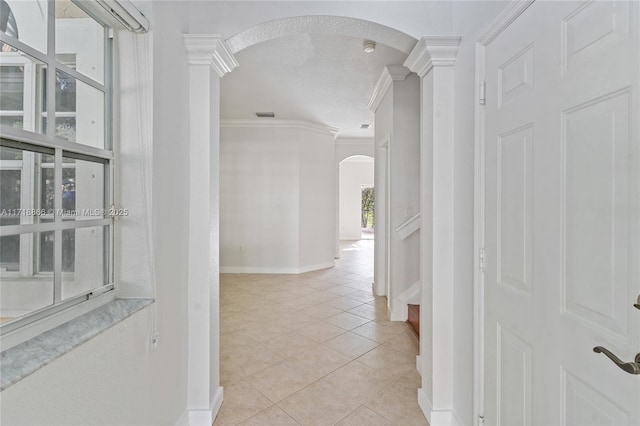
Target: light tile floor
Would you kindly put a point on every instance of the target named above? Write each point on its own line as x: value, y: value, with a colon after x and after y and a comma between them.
x: 315, y: 349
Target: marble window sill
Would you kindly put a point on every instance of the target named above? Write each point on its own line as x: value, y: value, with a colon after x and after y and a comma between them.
x: 22, y: 360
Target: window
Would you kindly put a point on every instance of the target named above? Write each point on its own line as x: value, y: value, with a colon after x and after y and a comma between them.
x: 56, y: 161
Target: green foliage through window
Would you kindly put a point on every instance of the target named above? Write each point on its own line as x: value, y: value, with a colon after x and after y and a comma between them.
x: 368, y: 203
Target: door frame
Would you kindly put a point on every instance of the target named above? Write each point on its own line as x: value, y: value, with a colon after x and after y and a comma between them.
x: 382, y: 184
x: 513, y: 10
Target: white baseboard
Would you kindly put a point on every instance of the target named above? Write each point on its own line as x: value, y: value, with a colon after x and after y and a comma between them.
x: 309, y: 268
x: 443, y: 418
x: 399, y: 309
x: 436, y: 417
x: 203, y: 417
x: 425, y: 405
x: 216, y: 403
x: 276, y: 270
x: 184, y: 419
x: 378, y: 291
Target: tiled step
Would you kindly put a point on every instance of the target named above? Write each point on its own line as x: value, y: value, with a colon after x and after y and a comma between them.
x: 414, y: 319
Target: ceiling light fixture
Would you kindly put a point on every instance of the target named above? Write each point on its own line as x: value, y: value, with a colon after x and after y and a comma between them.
x: 369, y: 46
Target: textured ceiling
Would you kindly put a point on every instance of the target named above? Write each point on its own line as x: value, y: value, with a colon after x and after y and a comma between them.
x: 321, y: 78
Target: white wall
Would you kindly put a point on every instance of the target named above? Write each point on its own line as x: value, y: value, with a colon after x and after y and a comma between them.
x: 317, y: 200
x: 354, y: 173
x: 405, y: 186
x: 398, y: 126
x: 115, y: 378
x: 276, y: 198
x: 348, y: 147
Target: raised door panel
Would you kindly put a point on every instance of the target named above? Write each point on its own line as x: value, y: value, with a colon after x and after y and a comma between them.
x: 514, y: 209
x: 593, y: 27
x: 597, y: 211
x: 514, y: 366
x: 586, y: 406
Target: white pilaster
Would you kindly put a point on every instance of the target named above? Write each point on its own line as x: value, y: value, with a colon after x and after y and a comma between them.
x: 433, y: 59
x: 209, y: 60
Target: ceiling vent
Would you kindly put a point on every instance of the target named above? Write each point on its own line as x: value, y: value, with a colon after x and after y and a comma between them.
x: 265, y: 114
x: 365, y: 126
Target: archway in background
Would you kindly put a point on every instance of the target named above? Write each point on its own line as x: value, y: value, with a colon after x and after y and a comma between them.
x: 355, y: 173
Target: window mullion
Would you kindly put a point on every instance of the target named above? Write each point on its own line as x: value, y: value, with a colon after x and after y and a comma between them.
x: 108, y: 95
x: 109, y: 181
x: 79, y: 76
x: 51, y: 69
x: 57, y: 240
x: 23, y: 47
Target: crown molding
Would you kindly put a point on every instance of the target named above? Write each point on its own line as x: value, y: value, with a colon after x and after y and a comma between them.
x: 389, y: 74
x: 209, y: 49
x: 274, y: 122
x: 433, y: 51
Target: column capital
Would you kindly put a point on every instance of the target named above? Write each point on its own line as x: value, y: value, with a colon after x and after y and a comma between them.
x: 209, y: 49
x: 433, y: 51
x: 389, y: 74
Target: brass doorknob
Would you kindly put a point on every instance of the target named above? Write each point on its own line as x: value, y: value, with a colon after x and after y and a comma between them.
x: 630, y: 367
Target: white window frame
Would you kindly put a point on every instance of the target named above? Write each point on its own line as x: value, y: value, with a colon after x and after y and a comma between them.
x: 25, y: 165
x: 35, y: 323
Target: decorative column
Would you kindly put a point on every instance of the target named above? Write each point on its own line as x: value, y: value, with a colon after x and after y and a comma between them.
x: 433, y: 59
x: 209, y: 60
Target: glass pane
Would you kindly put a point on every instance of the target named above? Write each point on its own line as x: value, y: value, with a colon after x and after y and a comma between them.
x: 79, y: 40
x: 10, y: 182
x: 11, y: 88
x: 25, y: 20
x: 18, y: 185
x: 21, y: 78
x: 83, y: 258
x: 79, y: 111
x: 83, y: 189
x: 45, y: 251
x: 65, y: 92
x: 23, y: 290
x: 16, y: 121
x: 46, y: 189
x: 10, y: 253
x: 10, y: 154
x: 66, y: 128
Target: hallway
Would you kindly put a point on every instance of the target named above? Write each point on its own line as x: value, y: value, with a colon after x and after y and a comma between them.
x: 315, y: 349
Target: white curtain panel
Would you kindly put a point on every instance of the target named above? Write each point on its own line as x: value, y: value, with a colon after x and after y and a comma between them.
x: 133, y: 112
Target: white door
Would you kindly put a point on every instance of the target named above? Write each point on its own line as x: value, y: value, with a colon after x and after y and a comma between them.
x: 562, y: 217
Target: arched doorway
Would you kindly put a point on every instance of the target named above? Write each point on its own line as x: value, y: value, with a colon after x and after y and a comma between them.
x: 435, y: 53
x: 356, y: 200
